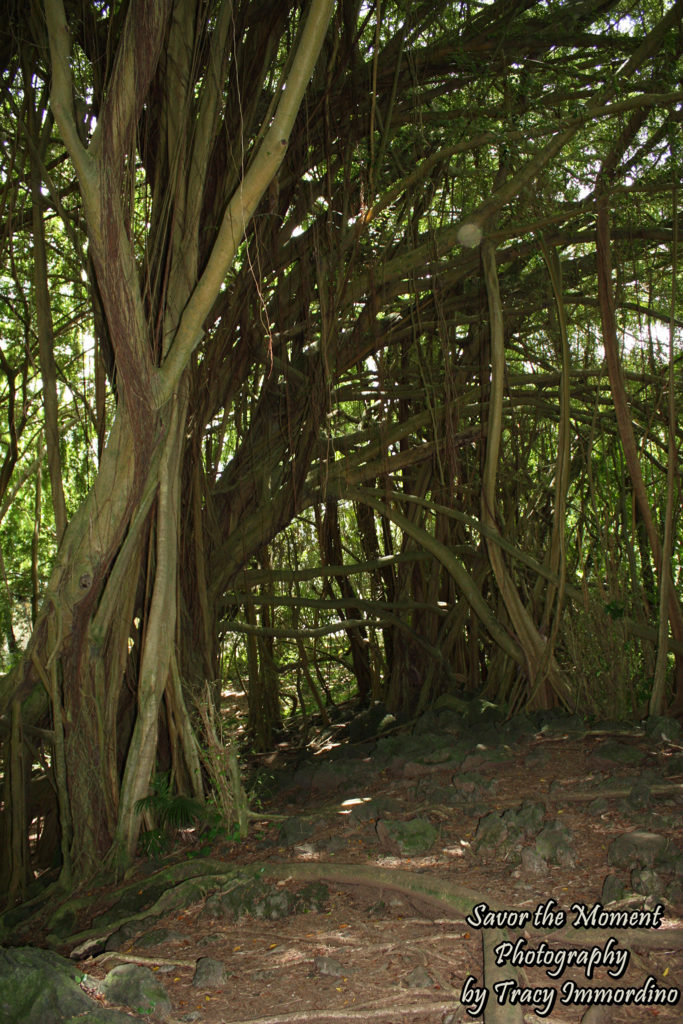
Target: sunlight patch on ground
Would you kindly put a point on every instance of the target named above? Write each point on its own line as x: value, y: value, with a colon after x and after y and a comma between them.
x: 457, y: 851
x: 347, y: 806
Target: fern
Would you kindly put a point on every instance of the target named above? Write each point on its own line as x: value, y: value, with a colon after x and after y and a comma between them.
x: 171, y: 810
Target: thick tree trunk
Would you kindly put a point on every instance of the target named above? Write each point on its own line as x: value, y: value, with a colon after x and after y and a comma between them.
x: 110, y: 615
x: 75, y: 647
x: 158, y: 650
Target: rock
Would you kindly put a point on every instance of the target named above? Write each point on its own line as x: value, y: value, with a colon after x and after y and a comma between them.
x: 344, y: 752
x: 400, y: 746
x: 136, y: 987
x: 673, y: 765
x: 209, y: 973
x: 519, y: 728
x: 449, y: 702
x: 451, y: 722
x: 555, y: 721
x: 123, y: 935
x: 39, y: 987
x: 335, y: 844
x: 408, y: 838
x: 468, y: 802
x: 619, y: 753
x: 674, y: 893
x: 491, y: 832
x: 415, y: 770
x: 485, y: 737
x: 441, y: 755
x: 328, y: 777
x: 158, y: 936
x: 653, y: 821
x: 481, y: 712
x: 368, y: 723
x: 263, y: 900
x: 636, y: 849
x: 659, y: 727
x: 676, y: 863
x: 236, y: 901
x: 329, y: 966
x: 313, y: 897
x: 529, y: 817
x: 553, y: 843
x: 647, y: 882
x: 503, y: 833
x: 390, y: 746
x: 448, y: 753
x: 533, y: 863
x: 275, y: 904
x: 419, y: 978
x: 296, y: 830
x: 612, y: 889
x: 211, y: 939
x: 537, y: 758
x: 639, y: 796
x: 497, y: 755
x: 472, y: 785
x: 370, y: 810
x: 428, y: 726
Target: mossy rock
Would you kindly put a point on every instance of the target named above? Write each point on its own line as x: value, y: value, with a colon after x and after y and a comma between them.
x: 554, y: 844
x: 38, y: 986
x: 620, y: 753
x: 408, y: 838
x: 136, y: 987
x: 259, y: 899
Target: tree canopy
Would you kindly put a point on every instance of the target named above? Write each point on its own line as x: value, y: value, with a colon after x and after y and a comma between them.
x: 340, y: 357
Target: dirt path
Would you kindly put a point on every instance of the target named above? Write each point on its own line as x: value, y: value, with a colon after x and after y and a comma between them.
x: 376, y: 954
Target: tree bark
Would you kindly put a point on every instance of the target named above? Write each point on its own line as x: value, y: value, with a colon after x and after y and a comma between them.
x: 112, y: 596
x: 625, y: 425
x: 539, y: 665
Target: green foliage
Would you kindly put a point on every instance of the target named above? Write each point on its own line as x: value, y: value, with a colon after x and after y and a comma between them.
x: 174, y: 810
x: 615, y: 609
x: 607, y: 662
x: 261, y: 788
x: 154, y: 843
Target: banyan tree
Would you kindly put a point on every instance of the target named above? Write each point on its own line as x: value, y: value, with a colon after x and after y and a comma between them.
x: 340, y: 355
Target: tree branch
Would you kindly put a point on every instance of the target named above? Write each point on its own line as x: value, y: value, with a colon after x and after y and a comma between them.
x: 136, y: 62
x: 61, y: 96
x: 245, y: 200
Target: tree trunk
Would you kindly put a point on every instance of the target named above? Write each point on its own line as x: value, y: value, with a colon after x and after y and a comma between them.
x: 110, y: 611
x: 540, y: 666
x: 625, y: 425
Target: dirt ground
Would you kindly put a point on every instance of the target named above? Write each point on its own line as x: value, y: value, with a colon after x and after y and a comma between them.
x: 374, y: 955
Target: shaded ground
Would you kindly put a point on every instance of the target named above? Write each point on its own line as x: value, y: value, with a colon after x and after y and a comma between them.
x: 373, y: 953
